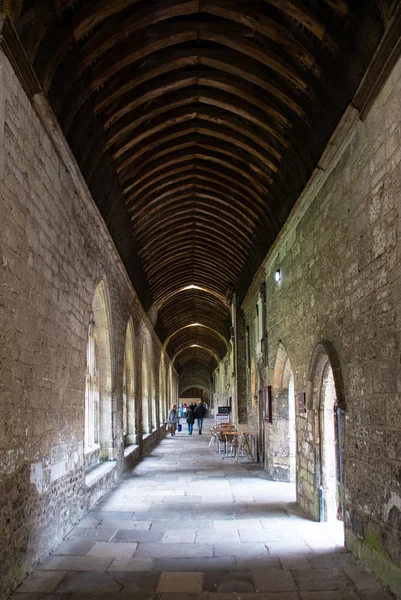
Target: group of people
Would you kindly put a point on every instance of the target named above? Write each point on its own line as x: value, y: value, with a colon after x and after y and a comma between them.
x: 193, y: 412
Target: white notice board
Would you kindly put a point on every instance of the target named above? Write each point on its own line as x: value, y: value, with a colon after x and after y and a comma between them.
x: 222, y: 419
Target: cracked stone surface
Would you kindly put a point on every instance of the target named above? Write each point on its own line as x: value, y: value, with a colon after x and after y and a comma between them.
x: 195, y: 526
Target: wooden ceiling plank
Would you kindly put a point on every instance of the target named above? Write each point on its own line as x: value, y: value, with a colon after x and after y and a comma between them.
x: 183, y: 211
x: 193, y: 158
x: 211, y: 194
x: 207, y: 183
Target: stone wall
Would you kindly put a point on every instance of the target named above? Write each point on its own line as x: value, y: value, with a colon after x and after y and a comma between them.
x: 195, y: 375
x: 337, y: 314
x: 54, y: 250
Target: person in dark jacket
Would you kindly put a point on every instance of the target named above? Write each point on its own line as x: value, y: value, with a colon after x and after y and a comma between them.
x: 191, y: 417
x: 200, y: 413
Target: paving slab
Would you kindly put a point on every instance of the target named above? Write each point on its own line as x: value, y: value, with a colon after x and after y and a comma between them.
x: 137, y: 582
x: 330, y: 595
x: 273, y: 580
x: 228, y: 582
x: 111, y: 515
x: 229, y: 549
x: 124, y: 524
x: 74, y: 548
x: 294, y: 561
x: 261, y: 562
x: 40, y: 596
x: 42, y: 581
x: 174, y: 550
x: 322, y: 580
x: 220, y: 563
x: 88, y: 582
x: 131, y: 565
x: 96, y: 535
x: 184, y: 536
x: 137, y: 535
x: 113, y: 550
x: 166, y: 525
x: 75, y: 563
x: 256, y: 596
x: 180, y: 582
x: 375, y: 595
x: 362, y: 579
x: 185, y: 596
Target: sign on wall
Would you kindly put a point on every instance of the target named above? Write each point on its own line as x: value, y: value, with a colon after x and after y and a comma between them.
x: 222, y: 419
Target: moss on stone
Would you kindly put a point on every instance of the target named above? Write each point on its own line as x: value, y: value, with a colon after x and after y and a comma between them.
x: 373, y: 539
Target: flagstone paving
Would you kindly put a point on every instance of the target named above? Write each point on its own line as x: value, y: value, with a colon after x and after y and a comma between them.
x: 187, y: 524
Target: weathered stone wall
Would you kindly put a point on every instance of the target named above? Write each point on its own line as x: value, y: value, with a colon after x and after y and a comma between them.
x: 339, y: 256
x: 195, y: 375
x: 54, y: 249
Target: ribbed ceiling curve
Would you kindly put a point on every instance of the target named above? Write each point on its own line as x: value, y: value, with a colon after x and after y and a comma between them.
x: 207, y: 117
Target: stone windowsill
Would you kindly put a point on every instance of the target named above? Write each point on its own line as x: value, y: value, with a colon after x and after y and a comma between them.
x: 96, y: 473
x: 128, y: 450
x: 145, y: 436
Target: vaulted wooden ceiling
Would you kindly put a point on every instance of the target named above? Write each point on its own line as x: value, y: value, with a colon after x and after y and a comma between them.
x: 201, y: 120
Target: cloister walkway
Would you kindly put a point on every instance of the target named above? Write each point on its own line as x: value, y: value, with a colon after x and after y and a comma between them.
x: 187, y: 525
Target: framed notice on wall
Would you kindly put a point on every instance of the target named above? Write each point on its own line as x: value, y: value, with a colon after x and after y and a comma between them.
x: 266, y: 403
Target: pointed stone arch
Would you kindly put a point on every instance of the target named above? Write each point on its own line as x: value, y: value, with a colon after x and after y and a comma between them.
x: 170, y: 386
x: 326, y: 399
x: 129, y: 382
x: 280, y: 454
x: 98, y: 389
x: 162, y: 390
x: 146, y: 391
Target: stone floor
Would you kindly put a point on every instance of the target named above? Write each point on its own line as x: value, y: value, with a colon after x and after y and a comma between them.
x: 187, y: 524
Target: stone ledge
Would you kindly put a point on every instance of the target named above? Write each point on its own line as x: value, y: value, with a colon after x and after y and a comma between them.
x: 97, y: 472
x: 130, y: 450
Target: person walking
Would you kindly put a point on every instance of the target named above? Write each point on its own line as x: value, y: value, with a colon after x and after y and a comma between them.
x: 200, y: 412
x: 173, y: 419
x: 191, y: 417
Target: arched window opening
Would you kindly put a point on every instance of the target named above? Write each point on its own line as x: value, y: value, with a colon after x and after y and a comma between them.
x: 292, y: 428
x: 98, y: 413
x: 170, y: 387
x: 129, y: 426
x: 327, y: 396
x: 146, y: 427
x: 329, y: 446
x: 155, y: 414
x: 162, y: 394
x: 281, y: 434
x: 91, y: 391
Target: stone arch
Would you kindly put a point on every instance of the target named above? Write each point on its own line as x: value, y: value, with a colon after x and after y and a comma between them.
x: 188, y: 387
x: 129, y: 412
x: 146, y: 391
x: 98, y: 391
x: 326, y: 396
x: 170, y: 387
x: 154, y: 404
x: 281, y: 434
x: 326, y: 349
x: 162, y: 390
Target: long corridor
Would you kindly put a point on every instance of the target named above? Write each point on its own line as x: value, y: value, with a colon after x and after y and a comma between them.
x: 187, y: 524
